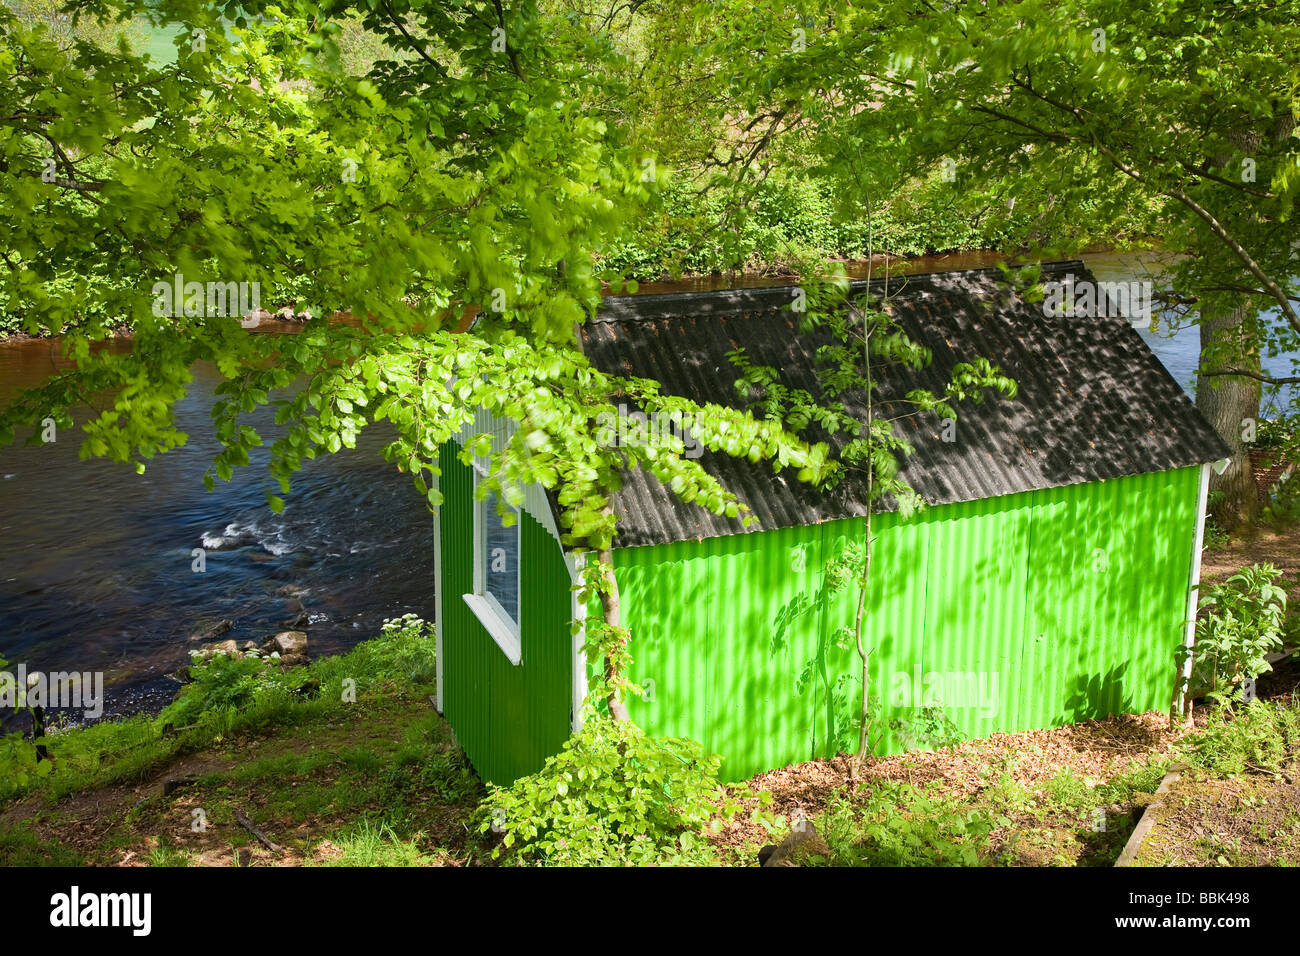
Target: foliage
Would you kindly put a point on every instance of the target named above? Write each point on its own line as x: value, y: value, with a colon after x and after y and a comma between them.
x: 794, y: 216
x: 929, y: 728
x: 860, y: 343
x: 1182, y: 111
x: 1281, y: 439
x: 1283, y: 506
x: 1239, y: 625
x: 1262, y: 735
x: 902, y: 825
x: 1185, y: 104
x: 1277, y: 434
x: 612, y: 796
x: 18, y: 755
x: 222, y: 683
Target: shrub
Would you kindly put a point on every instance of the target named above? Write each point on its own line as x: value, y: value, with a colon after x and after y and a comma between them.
x: 1240, y: 624
x: 612, y: 796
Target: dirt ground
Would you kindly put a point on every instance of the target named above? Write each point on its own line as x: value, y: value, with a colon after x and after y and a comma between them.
x: 299, y: 789
x: 1280, y: 548
x: 1095, y: 751
x: 1242, y: 821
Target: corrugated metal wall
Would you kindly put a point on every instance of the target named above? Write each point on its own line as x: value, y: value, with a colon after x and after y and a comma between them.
x: 508, y: 719
x: 1026, y: 611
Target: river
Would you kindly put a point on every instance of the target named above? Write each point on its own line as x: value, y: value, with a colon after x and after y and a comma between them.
x: 96, y: 567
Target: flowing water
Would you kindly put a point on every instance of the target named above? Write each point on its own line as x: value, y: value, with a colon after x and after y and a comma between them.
x: 96, y: 571
x: 96, y: 561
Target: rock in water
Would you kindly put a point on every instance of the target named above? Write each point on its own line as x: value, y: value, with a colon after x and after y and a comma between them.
x: 211, y: 631
x: 228, y: 647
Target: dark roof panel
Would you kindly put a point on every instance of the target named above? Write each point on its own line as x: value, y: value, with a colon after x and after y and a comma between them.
x: 1094, y: 403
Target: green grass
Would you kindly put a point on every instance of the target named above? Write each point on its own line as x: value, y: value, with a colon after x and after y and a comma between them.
x: 373, y: 843
x: 20, y: 845
x: 371, y: 778
x: 228, y: 698
x: 166, y: 855
x: 1261, y: 736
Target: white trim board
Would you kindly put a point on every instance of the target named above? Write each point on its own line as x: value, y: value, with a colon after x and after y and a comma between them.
x: 578, y: 613
x: 1193, y: 590
x: 437, y: 604
x: 536, y: 502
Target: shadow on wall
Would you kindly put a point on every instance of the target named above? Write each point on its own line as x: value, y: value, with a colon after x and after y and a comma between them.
x: 1099, y: 695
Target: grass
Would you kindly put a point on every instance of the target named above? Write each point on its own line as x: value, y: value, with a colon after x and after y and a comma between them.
x: 228, y: 699
x: 376, y: 779
x: 370, y: 778
x: 373, y: 843
x: 1067, y: 821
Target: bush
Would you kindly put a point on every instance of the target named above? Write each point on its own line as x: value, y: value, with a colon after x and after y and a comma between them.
x: 794, y: 215
x: 1240, y: 624
x: 612, y: 796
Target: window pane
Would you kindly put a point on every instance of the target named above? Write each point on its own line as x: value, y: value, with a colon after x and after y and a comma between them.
x: 501, y: 556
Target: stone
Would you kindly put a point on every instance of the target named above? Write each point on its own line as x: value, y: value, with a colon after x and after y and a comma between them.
x: 209, y: 632
x: 291, y: 646
x: 227, y: 647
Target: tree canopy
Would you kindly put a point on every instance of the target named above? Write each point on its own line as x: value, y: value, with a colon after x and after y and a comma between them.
x: 399, y: 169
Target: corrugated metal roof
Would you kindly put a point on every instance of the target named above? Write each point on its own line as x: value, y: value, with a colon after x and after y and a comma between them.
x: 1094, y: 403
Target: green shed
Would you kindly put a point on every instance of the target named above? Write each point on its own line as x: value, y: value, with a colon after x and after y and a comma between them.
x: 1050, y: 579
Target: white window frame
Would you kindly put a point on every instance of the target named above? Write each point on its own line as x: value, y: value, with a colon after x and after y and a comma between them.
x: 496, y: 620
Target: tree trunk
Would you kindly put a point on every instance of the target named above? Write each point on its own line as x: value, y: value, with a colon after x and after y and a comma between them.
x: 612, y: 614
x: 1229, y: 402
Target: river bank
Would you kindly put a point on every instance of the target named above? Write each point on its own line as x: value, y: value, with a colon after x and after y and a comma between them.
x: 345, y: 762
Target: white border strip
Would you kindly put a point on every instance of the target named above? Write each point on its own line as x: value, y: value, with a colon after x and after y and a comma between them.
x: 437, y: 602
x: 1193, y: 591
x: 578, y: 610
